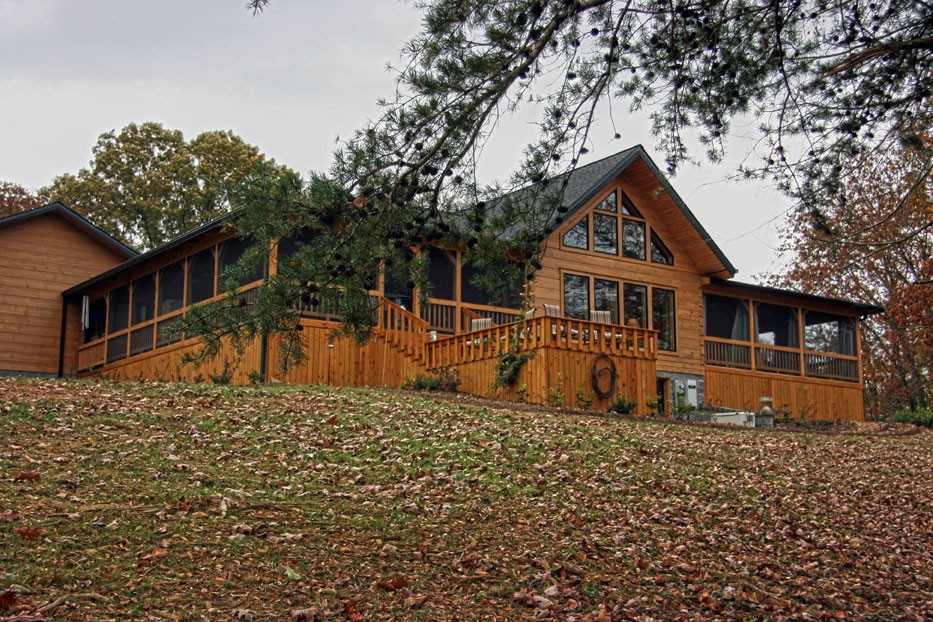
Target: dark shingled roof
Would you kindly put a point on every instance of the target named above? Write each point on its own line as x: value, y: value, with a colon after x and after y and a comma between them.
x: 74, y: 218
x: 586, y: 181
x: 158, y: 250
x: 861, y: 308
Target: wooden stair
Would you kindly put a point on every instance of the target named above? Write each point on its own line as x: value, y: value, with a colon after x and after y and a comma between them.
x: 401, y: 329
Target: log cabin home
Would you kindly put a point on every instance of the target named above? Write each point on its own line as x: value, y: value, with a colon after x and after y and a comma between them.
x: 633, y: 301
x: 42, y: 252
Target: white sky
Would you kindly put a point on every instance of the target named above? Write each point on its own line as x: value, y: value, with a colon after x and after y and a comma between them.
x: 290, y: 82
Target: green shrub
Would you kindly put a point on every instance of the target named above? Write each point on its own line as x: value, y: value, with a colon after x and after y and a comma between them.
x: 584, y: 399
x: 921, y: 416
x: 623, y: 406
x: 423, y: 382
x: 507, y: 368
x: 445, y: 380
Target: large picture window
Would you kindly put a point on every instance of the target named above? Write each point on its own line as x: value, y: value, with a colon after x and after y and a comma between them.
x: 606, y: 297
x: 633, y: 239
x: 663, y: 317
x: 576, y: 296
x: 636, y: 304
x: 605, y: 234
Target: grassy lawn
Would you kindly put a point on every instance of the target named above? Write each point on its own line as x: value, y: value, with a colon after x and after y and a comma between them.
x: 178, y: 502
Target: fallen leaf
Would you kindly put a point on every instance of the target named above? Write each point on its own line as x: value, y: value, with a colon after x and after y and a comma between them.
x: 393, y: 584
x: 305, y: 615
x: 30, y: 533
x: 155, y: 555
x: 7, y: 600
x: 28, y: 476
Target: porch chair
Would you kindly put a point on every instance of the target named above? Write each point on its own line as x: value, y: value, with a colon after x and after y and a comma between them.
x: 600, y: 317
x: 480, y: 324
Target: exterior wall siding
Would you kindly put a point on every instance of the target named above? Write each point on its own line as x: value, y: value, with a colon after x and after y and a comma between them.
x: 40, y: 258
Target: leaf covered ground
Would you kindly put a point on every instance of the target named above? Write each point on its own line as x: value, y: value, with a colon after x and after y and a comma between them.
x: 177, y: 502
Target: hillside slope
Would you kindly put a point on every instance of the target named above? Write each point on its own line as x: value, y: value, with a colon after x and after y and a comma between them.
x: 173, y: 502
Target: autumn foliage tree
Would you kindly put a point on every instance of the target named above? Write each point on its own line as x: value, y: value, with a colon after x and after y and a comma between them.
x: 14, y: 198
x: 877, y: 246
x: 147, y: 184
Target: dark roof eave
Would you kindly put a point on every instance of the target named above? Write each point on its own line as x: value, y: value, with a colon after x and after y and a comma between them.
x: 155, y: 252
x: 862, y: 308
x: 687, y: 213
x: 59, y: 208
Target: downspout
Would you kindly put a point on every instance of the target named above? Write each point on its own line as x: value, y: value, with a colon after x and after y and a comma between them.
x: 61, y: 338
x: 264, y: 340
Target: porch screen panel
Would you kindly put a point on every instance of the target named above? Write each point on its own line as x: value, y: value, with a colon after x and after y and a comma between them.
x: 606, y: 297
x: 398, y: 291
x: 290, y: 245
x: 119, y: 309
x: 663, y: 318
x: 201, y: 276
x: 171, y: 288
x: 776, y: 325
x: 143, y: 299
x: 231, y: 252
x: 824, y: 332
x: 636, y: 304
x: 442, y: 275
x: 726, y: 318
x: 605, y: 234
x: 576, y: 296
x: 96, y: 320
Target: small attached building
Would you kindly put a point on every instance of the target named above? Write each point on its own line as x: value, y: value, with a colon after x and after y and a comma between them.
x: 43, y: 252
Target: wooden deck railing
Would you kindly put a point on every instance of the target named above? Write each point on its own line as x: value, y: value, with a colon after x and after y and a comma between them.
x: 401, y: 328
x: 781, y: 360
x: 728, y: 354
x: 444, y: 317
x: 831, y: 366
x: 777, y: 359
x: 542, y: 332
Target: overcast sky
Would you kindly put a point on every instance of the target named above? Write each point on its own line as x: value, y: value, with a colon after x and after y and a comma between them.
x: 289, y: 81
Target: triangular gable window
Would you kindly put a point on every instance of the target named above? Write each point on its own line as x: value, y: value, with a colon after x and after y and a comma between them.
x: 660, y: 252
x: 609, y: 203
x: 628, y: 208
x: 579, y: 235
